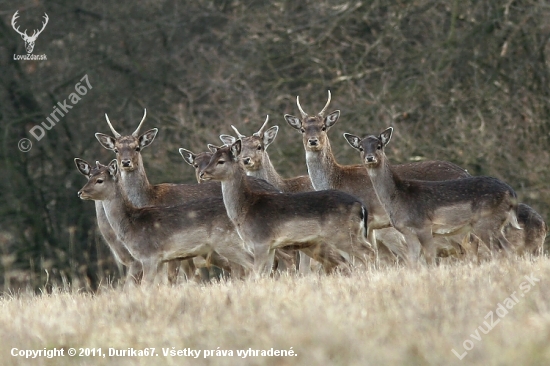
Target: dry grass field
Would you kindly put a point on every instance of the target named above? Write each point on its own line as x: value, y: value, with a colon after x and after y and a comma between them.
x: 393, y: 316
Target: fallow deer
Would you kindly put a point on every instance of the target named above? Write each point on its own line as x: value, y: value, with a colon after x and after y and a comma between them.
x: 326, y: 173
x: 256, y: 163
x: 420, y: 209
x: 117, y: 247
x: 329, y: 225
x: 285, y: 259
x: 136, y: 184
x: 197, y: 160
x: 529, y: 240
x: 154, y: 235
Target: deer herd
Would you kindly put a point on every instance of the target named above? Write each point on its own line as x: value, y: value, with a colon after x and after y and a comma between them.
x: 246, y: 219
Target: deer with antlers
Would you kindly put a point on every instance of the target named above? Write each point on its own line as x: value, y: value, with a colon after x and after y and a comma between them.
x: 136, y: 184
x: 420, y: 209
x: 29, y: 40
x: 329, y: 225
x: 326, y: 173
x: 257, y: 163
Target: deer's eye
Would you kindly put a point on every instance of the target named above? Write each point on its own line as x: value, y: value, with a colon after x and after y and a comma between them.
x: 259, y: 147
x: 116, y: 151
x: 324, y: 128
x: 196, y: 165
x: 303, y: 130
x: 99, y: 181
x: 361, y: 149
x: 379, y: 147
x: 221, y: 162
x: 138, y: 148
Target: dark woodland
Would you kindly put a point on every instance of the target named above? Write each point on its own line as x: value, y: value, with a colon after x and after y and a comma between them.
x: 463, y: 81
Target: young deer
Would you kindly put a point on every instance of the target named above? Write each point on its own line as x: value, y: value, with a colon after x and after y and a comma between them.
x: 256, y: 163
x: 329, y: 226
x: 199, y: 161
x: 119, y: 250
x: 326, y: 173
x: 420, y: 209
x: 154, y: 235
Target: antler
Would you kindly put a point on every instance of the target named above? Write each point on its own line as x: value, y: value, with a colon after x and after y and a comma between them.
x: 261, y: 130
x: 13, y: 19
x: 326, y: 105
x: 239, y: 135
x: 116, y: 134
x: 135, y: 133
x: 304, y: 114
x: 36, y: 32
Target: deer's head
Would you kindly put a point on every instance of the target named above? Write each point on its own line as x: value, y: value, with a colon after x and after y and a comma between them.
x: 101, y: 180
x: 223, y: 164
x: 29, y: 40
x: 198, y: 161
x: 127, y: 148
x: 253, y: 147
x: 314, y: 128
x: 371, y: 147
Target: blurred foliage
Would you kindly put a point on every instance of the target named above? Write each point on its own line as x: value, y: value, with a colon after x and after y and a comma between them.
x: 464, y: 81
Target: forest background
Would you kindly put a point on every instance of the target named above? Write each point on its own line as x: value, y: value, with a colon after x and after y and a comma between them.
x: 463, y: 81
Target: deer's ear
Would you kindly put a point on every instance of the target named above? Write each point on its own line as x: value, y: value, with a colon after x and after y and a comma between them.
x: 385, y: 136
x: 83, y: 167
x: 213, y: 148
x: 294, y: 122
x: 332, y: 118
x: 269, y: 136
x: 113, y: 167
x: 353, y: 140
x: 188, y: 156
x: 227, y: 140
x: 106, y: 141
x: 147, y: 138
x: 236, y: 149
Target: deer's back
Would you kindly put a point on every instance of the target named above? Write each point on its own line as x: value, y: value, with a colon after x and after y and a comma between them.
x: 199, y: 219
x: 433, y: 170
x: 298, y: 184
x: 313, y: 204
x: 167, y: 194
x: 477, y: 191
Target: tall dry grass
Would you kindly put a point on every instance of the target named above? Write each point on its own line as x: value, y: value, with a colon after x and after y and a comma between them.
x: 394, y: 316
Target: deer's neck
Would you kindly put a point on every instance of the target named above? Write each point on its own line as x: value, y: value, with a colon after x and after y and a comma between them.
x: 236, y: 196
x: 136, y: 185
x: 385, y: 183
x: 322, y: 168
x: 118, y: 210
x: 268, y: 173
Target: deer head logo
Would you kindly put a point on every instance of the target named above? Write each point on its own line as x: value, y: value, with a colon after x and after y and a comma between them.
x: 29, y: 41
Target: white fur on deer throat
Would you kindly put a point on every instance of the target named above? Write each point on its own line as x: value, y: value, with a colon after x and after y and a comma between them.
x: 317, y: 171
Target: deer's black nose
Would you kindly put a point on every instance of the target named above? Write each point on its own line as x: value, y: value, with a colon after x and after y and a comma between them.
x: 313, y: 142
x: 125, y: 163
x: 246, y: 161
